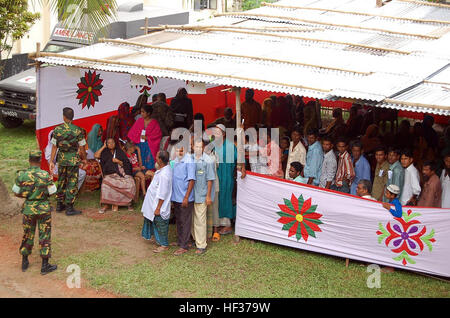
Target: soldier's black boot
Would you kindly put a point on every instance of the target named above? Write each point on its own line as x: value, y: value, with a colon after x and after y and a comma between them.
x: 25, y: 263
x: 71, y: 211
x: 46, y: 267
x: 60, y: 206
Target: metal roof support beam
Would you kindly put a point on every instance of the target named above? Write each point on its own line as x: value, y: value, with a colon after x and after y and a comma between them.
x: 354, y: 12
x: 172, y: 69
x: 424, y: 3
x: 257, y: 15
x: 400, y: 102
x: 218, y: 29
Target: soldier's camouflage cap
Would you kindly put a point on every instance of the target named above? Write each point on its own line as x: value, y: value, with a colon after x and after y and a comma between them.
x: 35, y: 155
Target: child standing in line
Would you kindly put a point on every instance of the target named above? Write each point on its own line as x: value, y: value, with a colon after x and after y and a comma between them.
x: 391, y: 193
x: 134, y: 155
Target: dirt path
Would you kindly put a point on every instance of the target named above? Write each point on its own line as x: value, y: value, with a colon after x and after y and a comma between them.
x: 15, y: 283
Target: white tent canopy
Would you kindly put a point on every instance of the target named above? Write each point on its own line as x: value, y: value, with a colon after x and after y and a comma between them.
x: 394, y: 56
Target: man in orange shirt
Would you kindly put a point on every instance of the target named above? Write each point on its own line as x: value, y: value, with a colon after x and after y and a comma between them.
x: 432, y: 190
x: 250, y: 110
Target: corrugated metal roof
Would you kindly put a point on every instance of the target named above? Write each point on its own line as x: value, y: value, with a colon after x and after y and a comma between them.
x: 315, y: 53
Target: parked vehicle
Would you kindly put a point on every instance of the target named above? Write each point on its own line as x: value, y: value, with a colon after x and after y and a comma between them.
x: 18, y: 92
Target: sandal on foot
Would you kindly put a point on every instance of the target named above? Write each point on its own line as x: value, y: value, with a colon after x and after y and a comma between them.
x: 160, y: 249
x: 200, y: 251
x: 225, y: 232
x: 173, y: 244
x: 180, y: 251
x: 216, y: 237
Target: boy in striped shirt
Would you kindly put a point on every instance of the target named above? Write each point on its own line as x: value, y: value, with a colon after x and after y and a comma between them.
x: 345, y: 172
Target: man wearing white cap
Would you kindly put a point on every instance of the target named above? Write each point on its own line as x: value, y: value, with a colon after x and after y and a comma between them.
x: 391, y: 193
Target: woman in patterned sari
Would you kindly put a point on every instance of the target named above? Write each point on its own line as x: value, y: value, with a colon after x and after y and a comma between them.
x: 147, y: 135
x: 126, y: 120
x: 92, y: 167
x: 118, y: 186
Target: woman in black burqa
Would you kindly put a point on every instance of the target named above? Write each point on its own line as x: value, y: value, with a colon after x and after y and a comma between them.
x: 181, y: 105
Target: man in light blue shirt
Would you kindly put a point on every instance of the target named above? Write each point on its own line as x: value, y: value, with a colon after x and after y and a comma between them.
x: 361, y: 166
x: 203, y: 194
x: 183, y: 195
x: 314, y: 158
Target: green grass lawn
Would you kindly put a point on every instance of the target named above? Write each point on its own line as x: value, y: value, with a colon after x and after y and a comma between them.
x: 112, y: 256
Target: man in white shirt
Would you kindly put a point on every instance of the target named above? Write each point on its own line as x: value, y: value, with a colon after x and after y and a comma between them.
x: 329, y: 165
x: 411, y: 185
x: 297, y: 152
x: 364, y: 189
x: 445, y: 182
x: 156, y: 206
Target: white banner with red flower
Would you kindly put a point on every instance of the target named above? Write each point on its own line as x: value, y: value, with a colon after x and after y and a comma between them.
x: 91, y: 92
x: 329, y: 222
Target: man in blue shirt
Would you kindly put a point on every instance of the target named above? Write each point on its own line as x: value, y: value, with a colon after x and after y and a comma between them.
x: 183, y: 195
x: 314, y: 158
x: 203, y: 194
x: 361, y: 166
x: 391, y: 193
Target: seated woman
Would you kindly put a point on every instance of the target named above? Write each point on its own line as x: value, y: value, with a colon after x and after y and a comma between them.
x: 92, y: 167
x: 134, y: 156
x: 147, y: 135
x: 118, y: 187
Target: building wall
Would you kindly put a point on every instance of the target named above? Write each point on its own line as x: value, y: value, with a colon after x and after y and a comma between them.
x: 39, y: 32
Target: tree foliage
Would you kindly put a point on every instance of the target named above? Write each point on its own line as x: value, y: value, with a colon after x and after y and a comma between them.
x: 15, y: 22
x: 94, y: 15
x: 252, y: 4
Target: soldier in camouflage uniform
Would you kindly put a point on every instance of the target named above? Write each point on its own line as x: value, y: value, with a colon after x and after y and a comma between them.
x: 35, y: 185
x: 68, y: 139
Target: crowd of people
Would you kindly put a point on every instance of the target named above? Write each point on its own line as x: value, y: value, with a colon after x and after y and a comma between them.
x: 135, y: 155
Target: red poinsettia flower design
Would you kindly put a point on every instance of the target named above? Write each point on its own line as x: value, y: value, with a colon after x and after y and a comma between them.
x: 407, y: 237
x: 89, y: 89
x: 299, y: 217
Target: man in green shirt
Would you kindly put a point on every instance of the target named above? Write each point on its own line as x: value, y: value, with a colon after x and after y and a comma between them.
x: 396, y: 173
x: 381, y: 174
x: 69, y: 141
x: 35, y: 185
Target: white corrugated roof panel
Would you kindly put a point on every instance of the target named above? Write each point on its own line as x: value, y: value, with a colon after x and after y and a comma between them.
x: 280, y: 54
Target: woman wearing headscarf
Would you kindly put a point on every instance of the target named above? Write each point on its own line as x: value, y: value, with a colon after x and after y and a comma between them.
x: 118, y: 186
x: 147, y: 135
x: 140, y: 102
x: 281, y: 114
x: 370, y: 140
x: 126, y: 120
x: 94, y: 140
x: 310, y: 117
x: 267, y: 112
x: 112, y: 129
x: 336, y: 128
x: 354, y: 122
x: 419, y: 146
x: 92, y: 167
x: 182, y: 108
